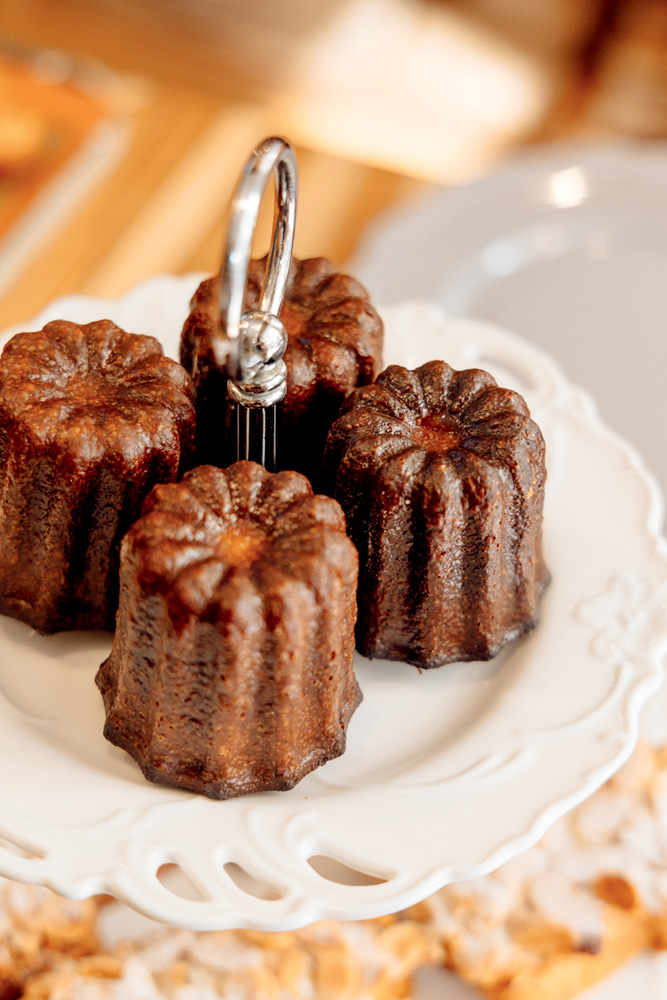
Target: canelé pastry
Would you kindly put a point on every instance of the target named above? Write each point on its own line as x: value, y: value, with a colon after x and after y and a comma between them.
x: 91, y: 418
x: 231, y: 668
x: 441, y: 477
x: 334, y: 344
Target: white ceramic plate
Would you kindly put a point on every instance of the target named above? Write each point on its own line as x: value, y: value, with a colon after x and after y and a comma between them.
x: 566, y: 246
x: 585, y: 280
x: 448, y: 772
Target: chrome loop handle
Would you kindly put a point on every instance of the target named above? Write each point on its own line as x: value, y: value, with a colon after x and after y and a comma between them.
x: 250, y: 346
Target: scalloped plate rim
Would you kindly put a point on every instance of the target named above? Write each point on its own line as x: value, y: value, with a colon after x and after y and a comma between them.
x: 406, y: 887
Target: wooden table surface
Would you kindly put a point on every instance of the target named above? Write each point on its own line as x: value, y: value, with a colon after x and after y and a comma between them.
x: 161, y: 206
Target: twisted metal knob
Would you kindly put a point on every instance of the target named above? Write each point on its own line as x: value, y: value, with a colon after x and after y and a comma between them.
x: 262, y: 374
x: 251, y: 345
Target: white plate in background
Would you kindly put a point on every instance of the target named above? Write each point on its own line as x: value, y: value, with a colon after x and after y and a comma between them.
x: 567, y: 246
x: 564, y: 245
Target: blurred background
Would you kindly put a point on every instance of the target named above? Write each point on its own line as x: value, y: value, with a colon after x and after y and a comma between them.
x: 124, y: 123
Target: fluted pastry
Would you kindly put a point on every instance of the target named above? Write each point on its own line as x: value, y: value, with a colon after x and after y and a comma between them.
x: 231, y: 668
x: 441, y: 477
x: 91, y: 418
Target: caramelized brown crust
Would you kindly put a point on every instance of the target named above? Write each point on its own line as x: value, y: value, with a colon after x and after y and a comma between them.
x: 91, y: 418
x: 334, y: 345
x: 231, y: 669
x: 441, y: 477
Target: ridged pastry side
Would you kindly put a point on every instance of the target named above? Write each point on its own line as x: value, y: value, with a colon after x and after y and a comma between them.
x: 231, y: 669
x: 334, y: 345
x: 441, y: 477
x: 91, y: 418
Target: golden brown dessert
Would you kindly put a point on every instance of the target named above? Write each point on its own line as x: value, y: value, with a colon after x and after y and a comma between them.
x: 37, y: 929
x: 334, y: 344
x: 91, y: 418
x: 566, y: 913
x: 369, y: 959
x: 49, y: 126
x: 441, y: 477
x: 231, y: 668
x: 43, y: 123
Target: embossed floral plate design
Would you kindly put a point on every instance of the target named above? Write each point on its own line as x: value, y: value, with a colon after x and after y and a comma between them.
x: 448, y: 772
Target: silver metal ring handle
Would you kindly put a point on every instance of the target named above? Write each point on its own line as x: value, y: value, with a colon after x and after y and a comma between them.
x: 234, y: 349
